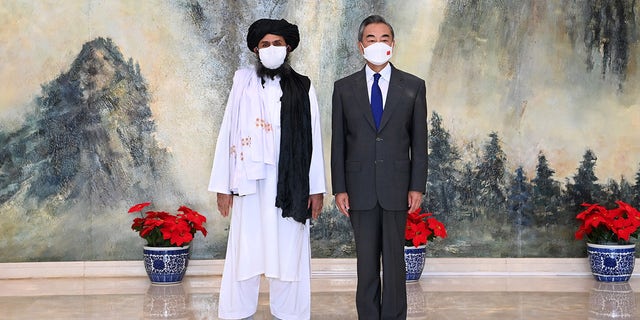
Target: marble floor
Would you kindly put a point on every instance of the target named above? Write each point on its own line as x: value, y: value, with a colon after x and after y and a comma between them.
x: 433, y: 297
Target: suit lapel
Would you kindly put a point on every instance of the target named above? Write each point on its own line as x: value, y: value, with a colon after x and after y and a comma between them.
x: 393, y: 96
x: 362, y: 98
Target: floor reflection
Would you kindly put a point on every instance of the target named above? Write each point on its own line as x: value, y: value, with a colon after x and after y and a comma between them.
x: 612, y: 301
x: 167, y: 302
x: 416, y: 301
x: 457, y: 298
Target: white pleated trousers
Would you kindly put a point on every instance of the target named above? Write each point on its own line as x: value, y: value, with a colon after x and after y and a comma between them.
x: 272, y: 246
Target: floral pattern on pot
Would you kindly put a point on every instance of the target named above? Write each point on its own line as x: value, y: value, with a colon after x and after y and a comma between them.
x: 166, y: 265
x: 414, y: 261
x: 611, y: 263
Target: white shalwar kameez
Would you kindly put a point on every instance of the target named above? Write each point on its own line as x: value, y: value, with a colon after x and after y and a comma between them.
x: 260, y: 240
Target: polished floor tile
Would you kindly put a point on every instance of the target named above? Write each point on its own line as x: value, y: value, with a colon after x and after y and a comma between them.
x: 433, y: 297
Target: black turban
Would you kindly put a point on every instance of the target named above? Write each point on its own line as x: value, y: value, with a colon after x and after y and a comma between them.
x: 262, y: 27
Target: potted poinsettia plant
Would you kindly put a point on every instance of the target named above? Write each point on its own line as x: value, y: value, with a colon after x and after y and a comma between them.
x: 163, y: 229
x: 611, y: 235
x: 420, y: 229
x: 168, y: 236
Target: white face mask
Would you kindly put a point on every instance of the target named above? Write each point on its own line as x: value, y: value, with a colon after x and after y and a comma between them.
x: 378, y: 53
x: 272, y: 57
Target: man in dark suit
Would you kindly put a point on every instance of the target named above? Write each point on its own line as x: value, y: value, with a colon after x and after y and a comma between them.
x: 379, y: 166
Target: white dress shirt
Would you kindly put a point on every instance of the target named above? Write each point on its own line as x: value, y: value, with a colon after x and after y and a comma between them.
x: 383, y: 82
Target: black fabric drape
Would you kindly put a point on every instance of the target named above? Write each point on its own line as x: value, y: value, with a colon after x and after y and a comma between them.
x: 295, y: 147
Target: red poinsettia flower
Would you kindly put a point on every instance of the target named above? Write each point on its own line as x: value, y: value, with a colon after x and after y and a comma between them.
x: 421, y: 237
x: 417, y: 233
x: 437, y: 227
x: 582, y: 232
x: 595, y: 221
x: 409, y: 232
x: 138, y: 207
x: 176, y: 231
x: 421, y: 228
x: 137, y: 223
x: 163, y: 229
x: 194, y: 218
x: 150, y: 225
x: 625, y: 233
x: 602, y: 225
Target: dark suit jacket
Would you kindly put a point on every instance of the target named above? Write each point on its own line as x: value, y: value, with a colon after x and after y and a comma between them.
x: 379, y: 166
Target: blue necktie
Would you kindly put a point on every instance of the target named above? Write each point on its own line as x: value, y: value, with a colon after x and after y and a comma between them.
x: 376, y: 100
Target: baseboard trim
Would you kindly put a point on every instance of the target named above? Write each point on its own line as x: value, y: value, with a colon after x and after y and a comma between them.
x: 320, y: 268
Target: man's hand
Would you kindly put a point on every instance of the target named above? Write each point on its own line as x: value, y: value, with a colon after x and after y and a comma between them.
x: 342, y: 202
x: 415, y: 200
x: 315, y: 203
x: 225, y: 202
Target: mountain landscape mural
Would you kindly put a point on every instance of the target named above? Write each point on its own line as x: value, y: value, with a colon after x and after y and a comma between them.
x: 91, y: 137
x: 81, y: 159
x: 532, y: 110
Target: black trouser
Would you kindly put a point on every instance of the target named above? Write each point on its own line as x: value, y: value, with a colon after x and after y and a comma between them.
x: 380, y: 233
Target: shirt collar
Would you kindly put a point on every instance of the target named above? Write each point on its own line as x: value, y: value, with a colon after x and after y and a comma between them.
x: 385, y: 73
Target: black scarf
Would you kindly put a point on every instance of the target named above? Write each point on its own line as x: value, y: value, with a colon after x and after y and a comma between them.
x: 295, y: 147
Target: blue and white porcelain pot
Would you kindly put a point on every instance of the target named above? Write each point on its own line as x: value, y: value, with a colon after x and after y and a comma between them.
x: 166, y: 265
x: 611, y: 263
x: 414, y: 261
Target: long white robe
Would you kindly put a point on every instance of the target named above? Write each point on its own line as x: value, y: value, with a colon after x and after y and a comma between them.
x: 260, y: 240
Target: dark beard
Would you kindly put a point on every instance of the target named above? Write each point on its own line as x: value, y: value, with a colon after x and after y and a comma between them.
x: 264, y: 72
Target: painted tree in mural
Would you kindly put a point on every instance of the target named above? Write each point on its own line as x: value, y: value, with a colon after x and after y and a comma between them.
x: 8, y: 168
x: 442, y: 178
x: 612, y: 190
x: 584, y: 188
x: 520, y: 207
x: 615, y: 190
x: 545, y: 187
x: 626, y: 190
x: 483, y: 200
x: 490, y: 178
x: 546, y: 192
x: 468, y: 200
x: 635, y: 200
x: 331, y: 235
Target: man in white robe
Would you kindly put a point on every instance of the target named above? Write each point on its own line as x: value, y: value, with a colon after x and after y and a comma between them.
x: 262, y: 188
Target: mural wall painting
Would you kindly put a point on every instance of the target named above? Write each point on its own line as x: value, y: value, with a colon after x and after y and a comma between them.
x: 533, y: 109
